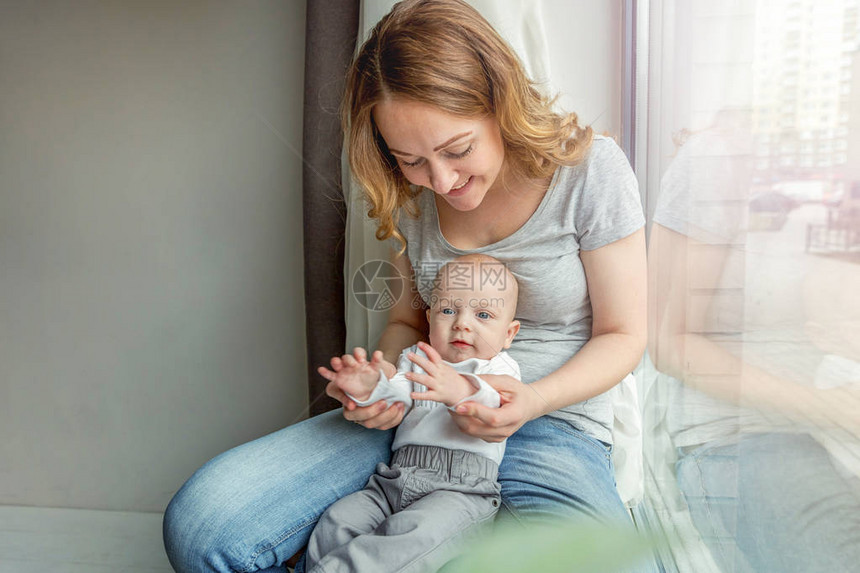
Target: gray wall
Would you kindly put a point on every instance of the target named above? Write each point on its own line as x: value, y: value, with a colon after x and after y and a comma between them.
x: 151, y: 305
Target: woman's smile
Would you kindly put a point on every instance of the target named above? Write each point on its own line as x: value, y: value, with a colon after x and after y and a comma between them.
x: 459, y: 158
x: 461, y: 189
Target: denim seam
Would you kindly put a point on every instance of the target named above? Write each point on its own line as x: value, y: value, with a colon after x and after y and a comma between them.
x: 514, y: 512
x: 278, y: 541
x: 707, y: 505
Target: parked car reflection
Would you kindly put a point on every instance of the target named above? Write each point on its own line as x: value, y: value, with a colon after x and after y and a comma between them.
x: 769, y: 211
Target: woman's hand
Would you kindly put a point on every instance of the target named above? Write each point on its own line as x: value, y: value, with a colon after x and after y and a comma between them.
x: 835, y: 410
x: 381, y: 415
x: 519, y: 404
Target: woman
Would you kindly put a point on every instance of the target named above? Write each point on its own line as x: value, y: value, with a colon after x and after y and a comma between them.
x: 459, y: 153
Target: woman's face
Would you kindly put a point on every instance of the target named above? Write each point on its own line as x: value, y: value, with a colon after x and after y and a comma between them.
x: 458, y: 158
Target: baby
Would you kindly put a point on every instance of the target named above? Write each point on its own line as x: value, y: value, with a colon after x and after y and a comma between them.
x: 441, y: 483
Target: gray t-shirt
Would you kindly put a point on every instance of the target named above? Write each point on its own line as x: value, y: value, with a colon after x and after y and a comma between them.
x: 586, y: 207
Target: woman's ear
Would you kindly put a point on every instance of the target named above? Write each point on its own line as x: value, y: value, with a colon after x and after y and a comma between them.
x: 513, y: 329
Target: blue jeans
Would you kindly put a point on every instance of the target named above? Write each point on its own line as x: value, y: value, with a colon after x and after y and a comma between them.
x: 773, y: 502
x: 254, y: 506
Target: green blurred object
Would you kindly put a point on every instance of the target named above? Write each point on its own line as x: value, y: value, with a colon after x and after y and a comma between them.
x: 555, y: 548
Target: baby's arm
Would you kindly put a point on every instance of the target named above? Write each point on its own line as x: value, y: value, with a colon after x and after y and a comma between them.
x: 483, y: 393
x: 447, y: 385
x: 354, y: 375
x: 486, y: 395
x: 389, y: 385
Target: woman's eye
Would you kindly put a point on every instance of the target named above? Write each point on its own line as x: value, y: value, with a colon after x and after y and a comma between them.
x: 415, y: 163
x: 462, y: 154
x: 484, y: 315
x: 448, y: 311
x: 451, y: 154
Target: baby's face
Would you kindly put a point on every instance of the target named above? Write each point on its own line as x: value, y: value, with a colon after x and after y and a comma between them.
x: 471, y: 323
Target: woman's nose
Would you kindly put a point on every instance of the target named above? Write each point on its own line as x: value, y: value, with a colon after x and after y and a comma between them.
x: 442, y: 178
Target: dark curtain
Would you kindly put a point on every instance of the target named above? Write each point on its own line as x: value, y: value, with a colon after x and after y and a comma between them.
x: 331, y: 31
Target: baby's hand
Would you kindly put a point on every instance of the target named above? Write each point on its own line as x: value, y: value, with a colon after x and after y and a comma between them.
x: 354, y: 375
x: 444, y: 384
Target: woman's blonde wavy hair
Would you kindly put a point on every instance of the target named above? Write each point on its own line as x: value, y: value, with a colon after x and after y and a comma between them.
x: 445, y: 54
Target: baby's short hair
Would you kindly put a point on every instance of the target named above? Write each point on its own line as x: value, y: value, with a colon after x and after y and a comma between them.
x: 484, y: 270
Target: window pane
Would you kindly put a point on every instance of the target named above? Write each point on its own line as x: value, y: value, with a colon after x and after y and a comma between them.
x: 753, y: 397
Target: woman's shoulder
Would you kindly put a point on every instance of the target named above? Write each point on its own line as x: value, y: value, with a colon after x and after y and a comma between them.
x: 601, y: 195
x: 603, y: 143
x: 419, y: 217
x: 604, y: 164
x: 603, y: 153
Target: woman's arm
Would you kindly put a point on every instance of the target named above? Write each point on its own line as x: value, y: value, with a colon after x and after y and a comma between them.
x: 678, y: 348
x: 617, y: 283
x: 407, y: 319
x: 407, y: 325
x: 617, y: 277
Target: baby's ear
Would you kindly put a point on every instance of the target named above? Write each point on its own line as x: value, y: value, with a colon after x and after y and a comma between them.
x: 513, y: 329
x: 428, y: 314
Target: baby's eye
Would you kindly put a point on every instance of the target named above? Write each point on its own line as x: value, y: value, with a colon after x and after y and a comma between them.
x: 447, y: 311
x: 484, y: 315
